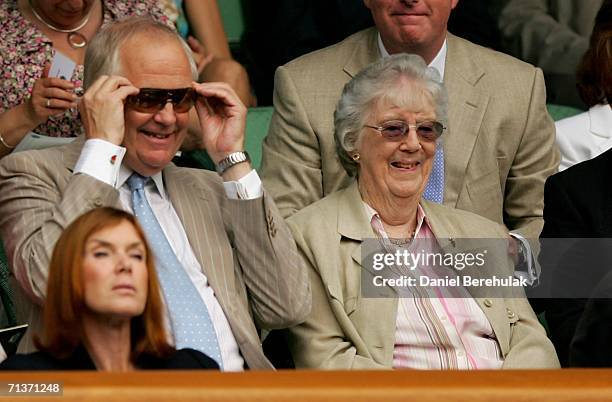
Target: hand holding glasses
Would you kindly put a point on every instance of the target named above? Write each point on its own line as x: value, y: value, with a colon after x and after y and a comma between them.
x: 396, y: 130
x: 222, y: 116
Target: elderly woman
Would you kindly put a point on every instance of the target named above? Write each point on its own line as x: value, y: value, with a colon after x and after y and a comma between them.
x: 387, y: 125
x: 104, y: 307
x: 589, y: 134
x: 35, y: 33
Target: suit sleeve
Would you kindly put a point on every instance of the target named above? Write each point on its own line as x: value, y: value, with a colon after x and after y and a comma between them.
x: 535, y: 36
x: 291, y: 160
x: 537, y: 158
x: 530, y: 348
x: 276, y: 280
x: 320, y: 342
x: 34, y: 212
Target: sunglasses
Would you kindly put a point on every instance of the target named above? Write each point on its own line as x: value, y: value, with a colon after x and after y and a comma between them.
x: 397, y: 129
x: 152, y: 100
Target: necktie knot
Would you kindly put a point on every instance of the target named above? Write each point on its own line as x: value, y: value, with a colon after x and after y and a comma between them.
x: 136, y: 181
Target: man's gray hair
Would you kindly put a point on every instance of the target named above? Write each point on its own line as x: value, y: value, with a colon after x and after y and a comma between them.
x: 104, y: 50
x: 380, y: 82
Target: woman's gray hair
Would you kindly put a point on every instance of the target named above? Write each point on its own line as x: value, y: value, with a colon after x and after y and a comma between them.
x: 104, y: 50
x: 378, y: 82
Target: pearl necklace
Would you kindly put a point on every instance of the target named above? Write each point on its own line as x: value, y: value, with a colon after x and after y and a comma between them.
x: 75, y: 39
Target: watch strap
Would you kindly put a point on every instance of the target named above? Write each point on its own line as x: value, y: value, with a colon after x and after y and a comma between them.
x: 232, y: 159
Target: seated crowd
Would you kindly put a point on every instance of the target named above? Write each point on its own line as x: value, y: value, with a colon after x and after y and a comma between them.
x: 402, y: 138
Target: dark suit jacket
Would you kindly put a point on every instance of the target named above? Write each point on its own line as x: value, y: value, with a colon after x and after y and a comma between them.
x: 578, y: 205
x: 183, y: 359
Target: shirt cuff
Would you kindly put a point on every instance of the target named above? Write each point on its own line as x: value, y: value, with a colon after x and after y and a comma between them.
x: 248, y: 187
x: 101, y: 160
x: 528, y: 265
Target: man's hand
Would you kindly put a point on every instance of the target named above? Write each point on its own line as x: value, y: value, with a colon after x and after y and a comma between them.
x: 222, y: 119
x: 102, y: 108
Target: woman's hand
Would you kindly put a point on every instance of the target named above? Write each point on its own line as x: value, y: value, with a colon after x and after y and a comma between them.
x: 50, y: 96
x: 199, y: 54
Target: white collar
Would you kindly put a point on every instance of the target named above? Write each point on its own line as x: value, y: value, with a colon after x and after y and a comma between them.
x: 437, y: 62
x: 125, y: 172
x: 600, y: 120
x: 372, y: 214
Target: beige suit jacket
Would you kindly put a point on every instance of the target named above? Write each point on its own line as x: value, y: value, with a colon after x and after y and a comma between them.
x: 348, y: 331
x: 245, y: 249
x: 499, y: 149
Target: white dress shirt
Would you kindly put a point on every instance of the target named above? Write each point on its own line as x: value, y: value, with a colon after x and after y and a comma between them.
x: 584, y: 136
x: 438, y: 62
x: 95, y: 161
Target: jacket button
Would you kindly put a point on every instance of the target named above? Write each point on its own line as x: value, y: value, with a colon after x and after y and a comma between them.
x: 487, y: 302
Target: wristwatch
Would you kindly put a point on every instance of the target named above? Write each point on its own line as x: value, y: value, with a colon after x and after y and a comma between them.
x: 232, y: 159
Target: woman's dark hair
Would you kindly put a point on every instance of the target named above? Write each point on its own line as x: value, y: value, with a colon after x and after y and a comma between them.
x: 594, y: 76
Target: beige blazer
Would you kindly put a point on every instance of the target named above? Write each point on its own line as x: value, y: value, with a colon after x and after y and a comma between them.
x: 244, y: 247
x: 348, y: 331
x: 499, y: 149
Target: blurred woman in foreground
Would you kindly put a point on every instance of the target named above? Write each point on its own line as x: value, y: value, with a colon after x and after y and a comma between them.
x: 104, y: 309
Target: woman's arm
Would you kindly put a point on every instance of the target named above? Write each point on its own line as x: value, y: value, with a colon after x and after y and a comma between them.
x: 50, y: 96
x: 323, y: 341
x: 205, y: 22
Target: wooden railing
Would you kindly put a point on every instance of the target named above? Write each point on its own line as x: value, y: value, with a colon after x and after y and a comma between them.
x: 297, y: 386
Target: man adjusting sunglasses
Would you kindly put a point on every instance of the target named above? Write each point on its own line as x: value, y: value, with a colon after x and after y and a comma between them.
x: 152, y: 100
x: 224, y: 256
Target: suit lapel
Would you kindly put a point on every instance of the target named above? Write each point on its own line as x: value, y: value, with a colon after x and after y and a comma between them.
x: 360, y: 58
x: 189, y: 198
x: 467, y: 105
x: 352, y: 220
x: 354, y: 226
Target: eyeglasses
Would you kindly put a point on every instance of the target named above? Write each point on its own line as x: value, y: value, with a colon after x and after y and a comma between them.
x: 396, y: 129
x: 152, y: 100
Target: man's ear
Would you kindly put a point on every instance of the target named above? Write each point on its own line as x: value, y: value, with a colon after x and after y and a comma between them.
x: 367, y: 3
x: 453, y: 4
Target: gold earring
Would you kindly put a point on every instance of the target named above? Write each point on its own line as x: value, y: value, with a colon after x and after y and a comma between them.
x: 356, y: 157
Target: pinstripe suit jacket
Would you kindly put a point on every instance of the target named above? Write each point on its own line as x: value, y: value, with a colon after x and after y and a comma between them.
x: 243, y: 246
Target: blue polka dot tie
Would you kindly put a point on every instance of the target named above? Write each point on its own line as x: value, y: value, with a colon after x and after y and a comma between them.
x: 191, y: 323
x: 434, y: 190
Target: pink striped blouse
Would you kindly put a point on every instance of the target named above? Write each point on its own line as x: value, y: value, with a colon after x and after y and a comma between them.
x: 439, y: 332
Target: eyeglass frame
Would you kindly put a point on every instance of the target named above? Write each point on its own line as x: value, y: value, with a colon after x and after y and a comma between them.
x: 170, y: 97
x: 408, y: 126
